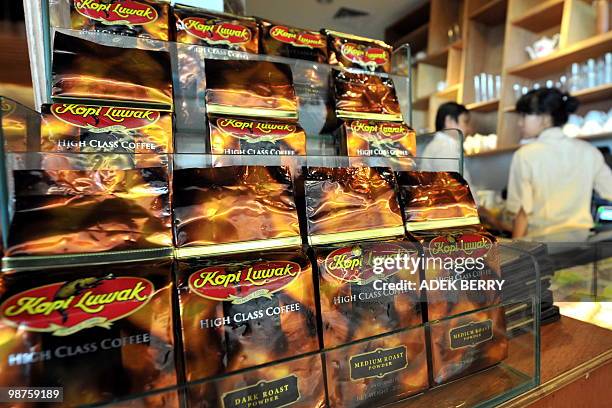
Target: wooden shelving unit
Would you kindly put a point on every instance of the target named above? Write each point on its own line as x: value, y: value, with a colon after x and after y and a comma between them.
x: 494, y: 35
x: 596, y: 94
x: 490, y: 13
x: 486, y: 106
x: 579, y: 52
x: 541, y: 17
x: 426, y: 29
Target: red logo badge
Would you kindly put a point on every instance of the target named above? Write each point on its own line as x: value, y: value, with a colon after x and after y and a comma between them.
x: 241, y: 283
x: 297, y: 37
x: 104, y: 118
x: 355, y: 264
x: 460, y: 246
x: 370, y: 57
x: 255, y: 131
x: 65, y: 308
x: 126, y: 12
x: 217, y: 32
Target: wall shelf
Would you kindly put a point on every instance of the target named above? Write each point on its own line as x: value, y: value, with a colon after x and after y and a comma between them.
x: 596, y: 94
x: 561, y: 59
x: 492, y: 13
x: 600, y: 136
x: 421, y: 103
x: 486, y: 106
x: 546, y: 15
x: 417, y: 39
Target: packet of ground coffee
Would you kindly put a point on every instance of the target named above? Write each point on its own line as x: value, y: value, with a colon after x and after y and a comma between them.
x: 219, y: 30
x: 291, y: 42
x: 100, y: 332
x: 138, y: 18
x: 244, y: 310
x: 351, y: 51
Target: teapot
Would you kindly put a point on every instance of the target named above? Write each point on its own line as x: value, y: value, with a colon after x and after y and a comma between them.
x: 543, y: 46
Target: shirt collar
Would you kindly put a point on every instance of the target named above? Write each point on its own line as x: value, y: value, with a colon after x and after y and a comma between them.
x: 552, y: 133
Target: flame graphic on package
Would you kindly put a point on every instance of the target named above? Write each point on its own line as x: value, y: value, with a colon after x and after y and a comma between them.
x: 81, y: 304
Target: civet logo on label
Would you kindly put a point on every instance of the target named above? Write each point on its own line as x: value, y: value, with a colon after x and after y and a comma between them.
x: 378, y: 363
x: 355, y: 264
x: 265, y: 394
x: 240, y: 283
x: 471, y: 334
x: 104, y: 118
x: 297, y: 38
x: 126, y: 12
x: 364, y: 55
x: 217, y: 32
x: 65, y: 308
x: 462, y: 245
x: 379, y: 132
x: 254, y: 131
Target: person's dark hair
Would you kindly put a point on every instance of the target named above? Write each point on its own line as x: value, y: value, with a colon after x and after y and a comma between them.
x: 452, y: 109
x: 548, y: 101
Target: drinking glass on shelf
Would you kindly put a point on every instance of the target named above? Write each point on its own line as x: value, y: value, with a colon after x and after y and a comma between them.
x: 591, y: 73
x: 516, y: 88
x: 575, y: 77
x: 608, y: 62
x: 477, y: 88
x: 490, y: 87
x: 497, y: 86
x: 483, y: 86
x: 562, y: 83
x: 601, y: 71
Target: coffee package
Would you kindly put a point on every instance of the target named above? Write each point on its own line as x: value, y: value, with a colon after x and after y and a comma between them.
x: 379, y: 371
x: 244, y: 310
x: 365, y: 96
x: 433, y: 200
x: 350, y: 204
x: 141, y: 18
x: 73, y: 127
x: 234, y: 209
x: 239, y: 136
x: 291, y: 42
x: 375, y: 138
x: 101, y: 332
x: 87, y: 71
x: 297, y: 383
x: 116, y: 208
x: 467, y: 259
x: 250, y: 88
x: 219, y: 30
x: 351, y: 51
x: 361, y: 296
x: 463, y: 345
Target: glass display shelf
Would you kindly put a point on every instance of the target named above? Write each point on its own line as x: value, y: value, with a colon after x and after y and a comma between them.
x: 327, y: 379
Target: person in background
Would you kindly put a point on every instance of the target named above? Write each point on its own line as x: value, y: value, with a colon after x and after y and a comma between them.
x: 552, y: 179
x: 450, y: 115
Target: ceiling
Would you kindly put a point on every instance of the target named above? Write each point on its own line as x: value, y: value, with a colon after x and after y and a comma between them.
x: 316, y: 14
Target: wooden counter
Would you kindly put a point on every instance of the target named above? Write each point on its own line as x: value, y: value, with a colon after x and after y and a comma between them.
x: 576, y: 371
x: 576, y: 367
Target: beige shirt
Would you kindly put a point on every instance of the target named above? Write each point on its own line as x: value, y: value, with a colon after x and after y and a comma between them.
x: 442, y: 154
x: 553, y: 180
